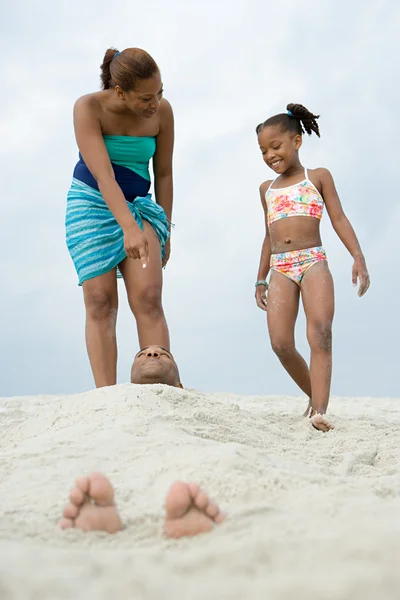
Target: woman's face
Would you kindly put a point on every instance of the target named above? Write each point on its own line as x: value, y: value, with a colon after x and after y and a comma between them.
x: 145, y: 99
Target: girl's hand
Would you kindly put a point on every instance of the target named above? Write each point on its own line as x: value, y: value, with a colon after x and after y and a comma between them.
x: 261, y: 297
x: 360, y: 272
x: 167, y: 252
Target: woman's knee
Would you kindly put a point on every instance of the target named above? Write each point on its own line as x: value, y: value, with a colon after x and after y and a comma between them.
x: 320, y: 336
x: 101, y: 305
x: 148, y: 301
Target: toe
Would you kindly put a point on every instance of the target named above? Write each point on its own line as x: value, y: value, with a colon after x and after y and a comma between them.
x: 212, y: 509
x: 76, y: 496
x: 71, y: 511
x: 201, y: 500
x: 220, y: 517
x: 83, y: 484
x: 100, y: 489
x: 66, y: 523
x: 178, y: 500
x: 194, y: 489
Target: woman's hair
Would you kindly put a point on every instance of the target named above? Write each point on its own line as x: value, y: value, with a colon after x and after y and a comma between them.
x: 124, y: 68
x: 298, y: 119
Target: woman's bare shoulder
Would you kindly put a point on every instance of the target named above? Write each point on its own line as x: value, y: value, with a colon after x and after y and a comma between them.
x: 90, y: 102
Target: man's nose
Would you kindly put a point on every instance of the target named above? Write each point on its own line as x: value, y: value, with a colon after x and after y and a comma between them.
x: 152, y: 353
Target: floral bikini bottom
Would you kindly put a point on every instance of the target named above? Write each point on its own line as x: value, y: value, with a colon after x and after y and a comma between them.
x: 296, y: 263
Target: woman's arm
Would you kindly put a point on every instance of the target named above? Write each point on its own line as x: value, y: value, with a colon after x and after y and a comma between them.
x: 162, y: 161
x: 94, y: 152
x: 344, y: 230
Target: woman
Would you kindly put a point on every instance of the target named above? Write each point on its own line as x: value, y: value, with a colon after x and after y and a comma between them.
x: 113, y: 228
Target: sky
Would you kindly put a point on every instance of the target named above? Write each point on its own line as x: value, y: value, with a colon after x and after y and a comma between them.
x: 226, y: 66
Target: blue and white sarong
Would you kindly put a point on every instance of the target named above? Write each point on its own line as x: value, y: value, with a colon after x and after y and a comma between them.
x: 94, y: 238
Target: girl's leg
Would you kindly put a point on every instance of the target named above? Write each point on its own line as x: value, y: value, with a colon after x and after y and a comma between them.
x: 319, y: 305
x: 144, y: 289
x: 101, y: 301
x: 282, y: 310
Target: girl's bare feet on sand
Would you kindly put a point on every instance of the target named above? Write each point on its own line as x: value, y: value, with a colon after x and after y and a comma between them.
x: 189, y: 511
x: 91, y: 506
x: 320, y: 422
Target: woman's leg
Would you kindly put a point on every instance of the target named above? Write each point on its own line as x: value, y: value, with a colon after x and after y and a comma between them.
x: 144, y: 289
x: 282, y: 310
x: 319, y: 305
x: 101, y: 301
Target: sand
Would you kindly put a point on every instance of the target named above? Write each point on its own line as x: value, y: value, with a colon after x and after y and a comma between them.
x: 311, y: 515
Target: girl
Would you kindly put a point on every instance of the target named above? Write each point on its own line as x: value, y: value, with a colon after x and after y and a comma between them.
x: 113, y: 228
x: 293, y: 251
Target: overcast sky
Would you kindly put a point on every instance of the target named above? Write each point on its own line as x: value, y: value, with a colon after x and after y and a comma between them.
x: 226, y: 66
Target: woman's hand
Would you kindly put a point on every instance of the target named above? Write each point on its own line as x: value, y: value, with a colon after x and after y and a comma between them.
x: 136, y: 245
x: 261, y: 297
x: 360, y: 272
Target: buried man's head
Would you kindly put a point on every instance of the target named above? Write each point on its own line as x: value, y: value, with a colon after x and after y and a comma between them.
x: 154, y: 364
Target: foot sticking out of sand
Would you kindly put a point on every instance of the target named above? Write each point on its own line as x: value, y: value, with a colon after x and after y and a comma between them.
x: 189, y: 511
x: 91, y: 506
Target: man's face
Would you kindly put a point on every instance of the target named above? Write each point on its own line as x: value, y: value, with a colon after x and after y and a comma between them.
x: 154, y: 364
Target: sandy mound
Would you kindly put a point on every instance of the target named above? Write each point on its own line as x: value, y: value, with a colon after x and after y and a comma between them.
x: 311, y: 515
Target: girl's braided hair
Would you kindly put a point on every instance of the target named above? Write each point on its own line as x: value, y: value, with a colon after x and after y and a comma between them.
x: 298, y: 120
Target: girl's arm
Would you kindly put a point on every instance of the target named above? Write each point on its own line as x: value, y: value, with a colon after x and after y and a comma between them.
x: 344, y: 230
x: 265, y: 258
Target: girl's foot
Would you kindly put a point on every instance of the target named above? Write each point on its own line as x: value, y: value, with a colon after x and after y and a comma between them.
x: 320, y: 422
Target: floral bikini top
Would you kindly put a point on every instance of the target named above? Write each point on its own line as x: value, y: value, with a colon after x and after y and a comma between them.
x: 298, y: 200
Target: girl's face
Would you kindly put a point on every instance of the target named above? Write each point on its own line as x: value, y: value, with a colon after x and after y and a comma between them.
x: 145, y: 99
x: 279, y: 149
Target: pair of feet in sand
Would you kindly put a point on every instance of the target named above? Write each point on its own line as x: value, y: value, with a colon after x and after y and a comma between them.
x: 91, y: 507
x: 189, y: 510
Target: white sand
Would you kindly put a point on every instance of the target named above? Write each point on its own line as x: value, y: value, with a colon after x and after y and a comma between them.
x: 312, y: 515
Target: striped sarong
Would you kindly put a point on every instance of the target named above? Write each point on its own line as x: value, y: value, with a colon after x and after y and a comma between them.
x: 94, y: 238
